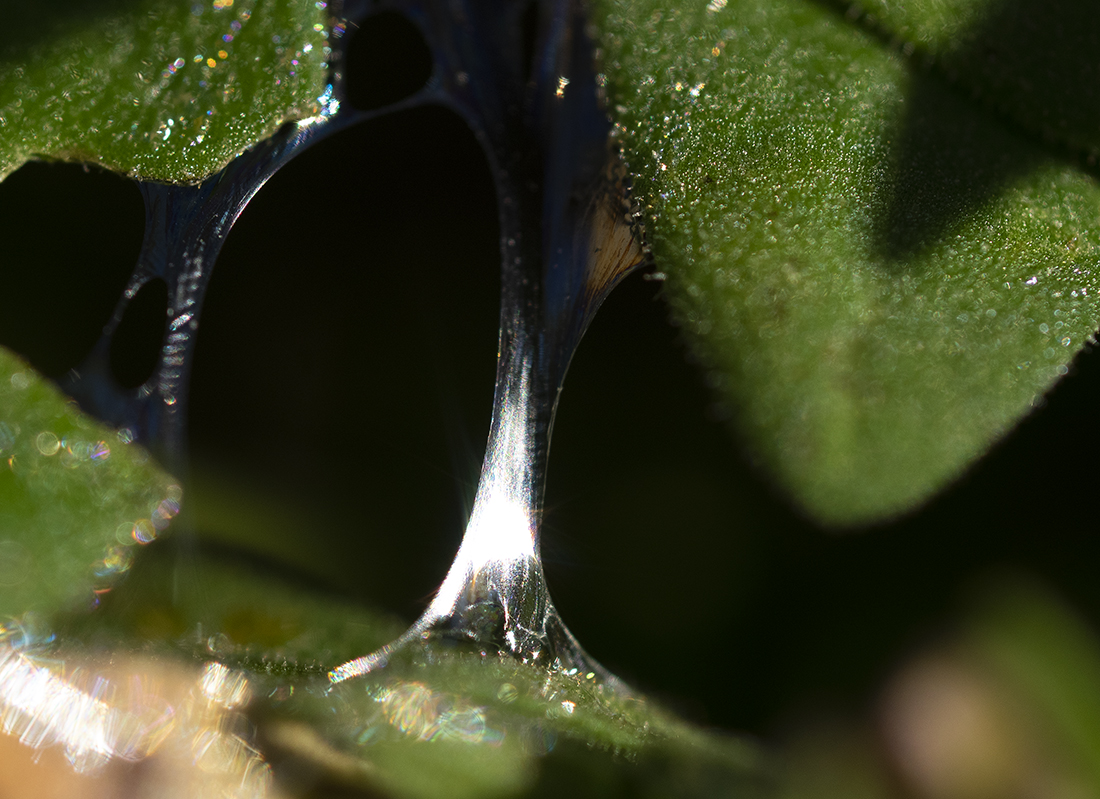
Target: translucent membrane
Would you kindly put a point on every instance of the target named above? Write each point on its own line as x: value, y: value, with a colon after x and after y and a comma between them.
x: 561, y: 255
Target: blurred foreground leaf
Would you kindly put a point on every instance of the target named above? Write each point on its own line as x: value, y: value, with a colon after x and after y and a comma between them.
x: 75, y: 499
x: 1033, y: 64
x: 881, y: 276
x: 1009, y: 707
x: 1048, y: 656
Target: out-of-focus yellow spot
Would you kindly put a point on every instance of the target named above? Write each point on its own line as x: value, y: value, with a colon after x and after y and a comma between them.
x: 210, y: 62
x: 223, y: 55
x: 220, y: 4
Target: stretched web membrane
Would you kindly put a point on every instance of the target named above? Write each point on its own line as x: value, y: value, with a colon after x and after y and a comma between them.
x: 521, y: 75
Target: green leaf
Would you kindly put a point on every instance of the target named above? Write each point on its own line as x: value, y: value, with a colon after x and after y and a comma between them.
x: 76, y: 499
x: 157, y: 90
x: 1033, y: 64
x: 880, y: 276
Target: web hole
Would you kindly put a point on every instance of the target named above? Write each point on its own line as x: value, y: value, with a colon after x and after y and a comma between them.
x: 343, y: 372
x: 137, y: 341
x: 71, y: 236
x: 387, y: 60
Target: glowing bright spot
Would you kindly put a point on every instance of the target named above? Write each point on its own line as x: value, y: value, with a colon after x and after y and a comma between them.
x: 224, y: 687
x: 501, y: 530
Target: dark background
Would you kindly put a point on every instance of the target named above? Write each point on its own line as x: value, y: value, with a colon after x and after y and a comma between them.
x: 341, y: 399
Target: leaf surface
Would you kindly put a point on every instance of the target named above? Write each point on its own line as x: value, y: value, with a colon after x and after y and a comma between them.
x: 435, y: 715
x: 156, y: 90
x: 1034, y: 65
x: 881, y: 276
x: 76, y: 499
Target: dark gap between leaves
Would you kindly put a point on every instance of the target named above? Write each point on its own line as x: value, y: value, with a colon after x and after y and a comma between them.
x: 529, y: 22
x: 345, y: 360
x: 72, y: 235
x: 137, y: 341
x: 387, y: 60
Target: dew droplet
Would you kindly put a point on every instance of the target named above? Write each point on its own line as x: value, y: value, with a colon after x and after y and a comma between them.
x: 164, y: 513
x: 117, y: 560
x: 99, y: 452
x: 47, y: 443
x: 124, y: 533
x: 144, y: 531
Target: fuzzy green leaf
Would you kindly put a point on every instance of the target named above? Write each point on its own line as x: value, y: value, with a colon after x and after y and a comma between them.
x: 881, y: 276
x: 76, y: 499
x: 1033, y: 64
x: 157, y: 90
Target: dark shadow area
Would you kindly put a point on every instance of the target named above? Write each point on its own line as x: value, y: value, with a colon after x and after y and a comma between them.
x: 136, y: 343
x: 528, y: 25
x: 346, y: 355
x: 949, y: 161
x: 29, y: 26
x: 651, y: 537
x: 387, y: 60
x: 71, y: 237
x: 1023, y: 82
x: 1037, y: 63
